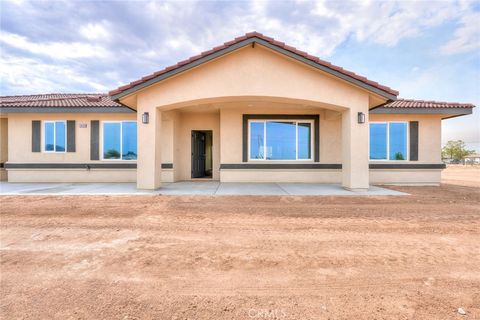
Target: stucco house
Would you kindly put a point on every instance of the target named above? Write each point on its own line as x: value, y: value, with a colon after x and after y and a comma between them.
x: 253, y: 109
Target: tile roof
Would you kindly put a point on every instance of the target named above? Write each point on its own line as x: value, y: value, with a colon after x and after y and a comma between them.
x: 410, y: 103
x: 60, y: 100
x: 269, y: 40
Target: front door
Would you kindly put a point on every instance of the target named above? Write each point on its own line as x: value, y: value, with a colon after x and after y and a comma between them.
x: 198, y: 154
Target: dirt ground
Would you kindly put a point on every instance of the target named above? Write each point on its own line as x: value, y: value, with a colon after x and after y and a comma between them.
x: 462, y: 175
x: 157, y: 257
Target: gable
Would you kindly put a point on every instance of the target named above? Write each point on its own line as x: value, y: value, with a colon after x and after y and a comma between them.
x: 252, y: 73
x: 251, y: 40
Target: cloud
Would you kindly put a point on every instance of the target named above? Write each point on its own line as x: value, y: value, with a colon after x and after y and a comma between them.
x: 38, y: 77
x: 56, y: 50
x: 95, y: 31
x: 111, y: 43
x: 387, y: 22
x: 466, y: 37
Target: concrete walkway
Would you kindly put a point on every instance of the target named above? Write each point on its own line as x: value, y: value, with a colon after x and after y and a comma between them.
x: 207, y: 188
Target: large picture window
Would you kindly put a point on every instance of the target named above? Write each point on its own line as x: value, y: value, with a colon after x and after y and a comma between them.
x: 119, y: 140
x: 280, y: 140
x: 54, y: 136
x: 388, y: 140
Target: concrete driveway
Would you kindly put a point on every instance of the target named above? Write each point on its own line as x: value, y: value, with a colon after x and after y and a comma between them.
x: 190, y: 188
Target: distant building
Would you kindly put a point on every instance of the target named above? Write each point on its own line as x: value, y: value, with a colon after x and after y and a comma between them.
x: 472, y: 159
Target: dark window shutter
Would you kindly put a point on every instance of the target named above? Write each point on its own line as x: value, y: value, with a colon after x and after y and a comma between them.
x: 36, y: 135
x: 94, y: 140
x: 413, y: 140
x: 70, y: 135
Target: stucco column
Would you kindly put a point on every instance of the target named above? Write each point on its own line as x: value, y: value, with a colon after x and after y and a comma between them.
x: 149, y: 162
x: 355, y: 172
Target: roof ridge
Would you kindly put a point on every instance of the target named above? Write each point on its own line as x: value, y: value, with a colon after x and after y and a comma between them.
x: 270, y: 40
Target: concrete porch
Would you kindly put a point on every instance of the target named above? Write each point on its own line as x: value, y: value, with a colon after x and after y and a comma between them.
x: 205, y: 188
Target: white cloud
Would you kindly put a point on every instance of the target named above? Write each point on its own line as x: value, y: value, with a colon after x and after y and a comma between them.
x: 320, y: 27
x: 385, y: 23
x: 56, y: 50
x: 466, y: 37
x: 17, y: 2
x: 29, y: 75
x: 95, y: 31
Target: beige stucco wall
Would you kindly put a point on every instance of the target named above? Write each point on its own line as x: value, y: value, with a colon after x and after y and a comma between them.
x: 406, y: 177
x: 72, y: 175
x: 251, y: 72
x: 282, y: 175
x: 3, y: 146
x: 20, y: 150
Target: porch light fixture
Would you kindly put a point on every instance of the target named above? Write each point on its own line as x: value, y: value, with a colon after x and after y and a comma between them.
x: 361, y: 117
x: 145, y: 117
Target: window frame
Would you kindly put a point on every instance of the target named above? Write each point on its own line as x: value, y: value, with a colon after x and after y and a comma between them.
x: 121, y: 140
x: 297, y: 121
x: 407, y: 154
x: 44, y: 135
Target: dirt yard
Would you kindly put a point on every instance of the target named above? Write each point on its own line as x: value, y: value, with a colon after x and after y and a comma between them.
x: 154, y: 257
x: 462, y: 175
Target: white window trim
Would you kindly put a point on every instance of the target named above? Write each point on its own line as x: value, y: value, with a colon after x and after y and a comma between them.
x: 54, y: 136
x: 407, y: 157
x: 264, y: 121
x: 121, y: 142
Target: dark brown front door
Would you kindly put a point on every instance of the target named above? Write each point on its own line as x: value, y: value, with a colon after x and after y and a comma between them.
x: 198, y: 154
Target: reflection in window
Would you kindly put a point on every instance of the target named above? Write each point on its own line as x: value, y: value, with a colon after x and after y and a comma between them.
x: 398, y: 141
x: 54, y: 136
x: 129, y: 140
x: 257, y: 140
x: 280, y: 140
x: 111, y: 140
x: 304, y: 140
x: 378, y: 141
x: 120, y: 140
x: 388, y: 139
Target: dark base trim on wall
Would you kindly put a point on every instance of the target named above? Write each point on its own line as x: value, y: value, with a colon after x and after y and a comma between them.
x: 407, y: 166
x: 223, y: 166
x: 280, y: 166
x: 247, y: 166
x: 70, y: 166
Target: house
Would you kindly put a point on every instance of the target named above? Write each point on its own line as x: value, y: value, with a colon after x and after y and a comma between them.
x: 472, y: 159
x: 253, y: 109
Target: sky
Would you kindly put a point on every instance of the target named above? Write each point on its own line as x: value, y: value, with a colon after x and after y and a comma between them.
x: 427, y: 50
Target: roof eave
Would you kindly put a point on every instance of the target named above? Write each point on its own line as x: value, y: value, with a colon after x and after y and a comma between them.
x: 248, y: 41
x: 451, y: 112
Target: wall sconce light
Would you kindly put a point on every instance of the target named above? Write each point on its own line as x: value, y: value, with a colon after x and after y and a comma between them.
x: 361, y: 117
x: 145, y: 117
